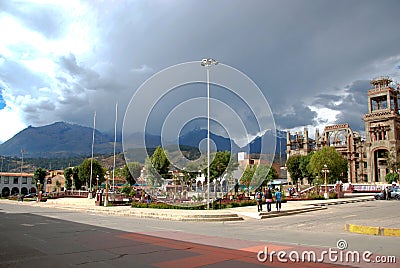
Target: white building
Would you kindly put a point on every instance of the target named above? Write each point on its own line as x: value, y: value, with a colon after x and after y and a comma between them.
x: 17, y: 183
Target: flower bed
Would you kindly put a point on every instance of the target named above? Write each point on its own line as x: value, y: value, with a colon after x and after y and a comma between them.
x: 218, y: 204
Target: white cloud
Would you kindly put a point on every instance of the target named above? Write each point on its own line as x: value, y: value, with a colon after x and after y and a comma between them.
x: 11, y: 123
x: 325, y: 115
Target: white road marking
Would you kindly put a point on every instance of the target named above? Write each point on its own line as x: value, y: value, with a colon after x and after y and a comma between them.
x: 349, y: 216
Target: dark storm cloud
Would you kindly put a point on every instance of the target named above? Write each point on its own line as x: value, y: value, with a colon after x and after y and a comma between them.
x: 299, y: 53
x: 352, y: 103
x: 19, y: 77
x: 326, y: 100
x: 299, y: 116
x: 69, y: 64
x: 97, y: 88
x: 355, y: 105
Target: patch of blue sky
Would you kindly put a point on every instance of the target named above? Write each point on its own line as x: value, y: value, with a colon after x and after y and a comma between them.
x: 2, y: 102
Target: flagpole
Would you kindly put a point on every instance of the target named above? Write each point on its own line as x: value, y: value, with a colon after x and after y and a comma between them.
x: 91, y: 161
x: 115, y: 140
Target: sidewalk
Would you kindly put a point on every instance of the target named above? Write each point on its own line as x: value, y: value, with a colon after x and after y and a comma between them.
x: 231, y: 214
x: 296, y: 207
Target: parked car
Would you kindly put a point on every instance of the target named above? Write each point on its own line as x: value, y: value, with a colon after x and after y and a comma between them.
x: 394, y: 194
x: 31, y: 195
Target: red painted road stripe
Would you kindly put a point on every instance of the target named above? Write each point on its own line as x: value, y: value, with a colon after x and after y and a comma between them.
x: 213, y: 255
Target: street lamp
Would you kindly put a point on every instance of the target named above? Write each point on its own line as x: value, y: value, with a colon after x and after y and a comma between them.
x: 106, y: 199
x: 326, y: 171
x: 207, y: 63
x: 38, y: 190
x: 72, y: 183
x: 97, y: 185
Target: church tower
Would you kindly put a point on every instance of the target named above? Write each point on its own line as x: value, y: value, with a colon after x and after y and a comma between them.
x: 382, y: 127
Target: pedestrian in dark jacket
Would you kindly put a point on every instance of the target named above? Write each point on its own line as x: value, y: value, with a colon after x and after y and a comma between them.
x: 259, y: 196
x: 268, y: 199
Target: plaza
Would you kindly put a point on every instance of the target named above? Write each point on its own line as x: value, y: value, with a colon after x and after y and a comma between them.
x: 79, y: 234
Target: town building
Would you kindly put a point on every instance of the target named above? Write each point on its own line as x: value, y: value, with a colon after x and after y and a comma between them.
x: 24, y: 183
x: 55, y: 181
x: 245, y: 159
x: 17, y: 183
x: 367, y: 157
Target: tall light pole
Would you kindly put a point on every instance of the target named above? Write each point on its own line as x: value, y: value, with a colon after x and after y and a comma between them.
x: 106, y: 198
x: 207, y: 63
x: 38, y: 191
x: 91, y: 159
x: 326, y: 171
x: 72, y: 183
x: 22, y: 164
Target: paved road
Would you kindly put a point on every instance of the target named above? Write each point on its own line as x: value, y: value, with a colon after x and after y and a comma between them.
x: 35, y: 236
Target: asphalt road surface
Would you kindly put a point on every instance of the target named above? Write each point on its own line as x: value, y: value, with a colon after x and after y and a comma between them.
x: 48, y: 237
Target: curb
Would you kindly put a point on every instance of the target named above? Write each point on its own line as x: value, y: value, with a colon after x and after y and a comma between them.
x: 273, y: 214
x: 370, y: 230
x: 322, y: 204
x: 173, y: 217
x: 220, y: 217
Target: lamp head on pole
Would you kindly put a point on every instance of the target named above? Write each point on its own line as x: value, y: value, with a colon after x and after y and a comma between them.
x: 208, y: 62
x: 325, y: 169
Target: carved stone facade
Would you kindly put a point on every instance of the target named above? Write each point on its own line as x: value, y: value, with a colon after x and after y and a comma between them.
x: 382, y: 124
x: 367, y: 158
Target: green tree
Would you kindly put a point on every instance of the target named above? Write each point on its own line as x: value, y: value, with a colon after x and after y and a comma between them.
x: 153, y: 178
x: 393, y: 161
x: 232, y: 166
x: 293, y: 167
x: 219, y: 165
x: 392, y: 177
x: 190, y: 172
x: 247, y: 176
x: 39, y: 175
x: 84, y: 172
x: 305, y: 170
x: 77, y: 183
x: 131, y: 171
x: 58, y: 185
x: 128, y: 190
x: 260, y: 175
x: 160, y: 162
x: 68, y: 173
x: 272, y: 175
x: 334, y: 161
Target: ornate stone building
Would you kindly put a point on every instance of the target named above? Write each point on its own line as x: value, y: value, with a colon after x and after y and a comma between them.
x: 367, y: 158
x: 382, y: 127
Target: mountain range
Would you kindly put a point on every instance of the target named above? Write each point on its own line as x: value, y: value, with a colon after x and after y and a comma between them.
x: 62, y: 140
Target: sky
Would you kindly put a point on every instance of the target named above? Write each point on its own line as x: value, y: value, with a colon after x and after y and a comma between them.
x: 312, y: 60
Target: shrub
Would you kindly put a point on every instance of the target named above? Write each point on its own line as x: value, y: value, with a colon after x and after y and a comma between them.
x: 215, y: 205
x: 333, y: 195
x: 128, y: 190
x: 165, y: 206
x: 316, y: 196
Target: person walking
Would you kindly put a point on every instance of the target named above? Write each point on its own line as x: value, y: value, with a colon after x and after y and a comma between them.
x: 387, y: 193
x: 259, y: 196
x: 268, y: 199
x: 278, y: 200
